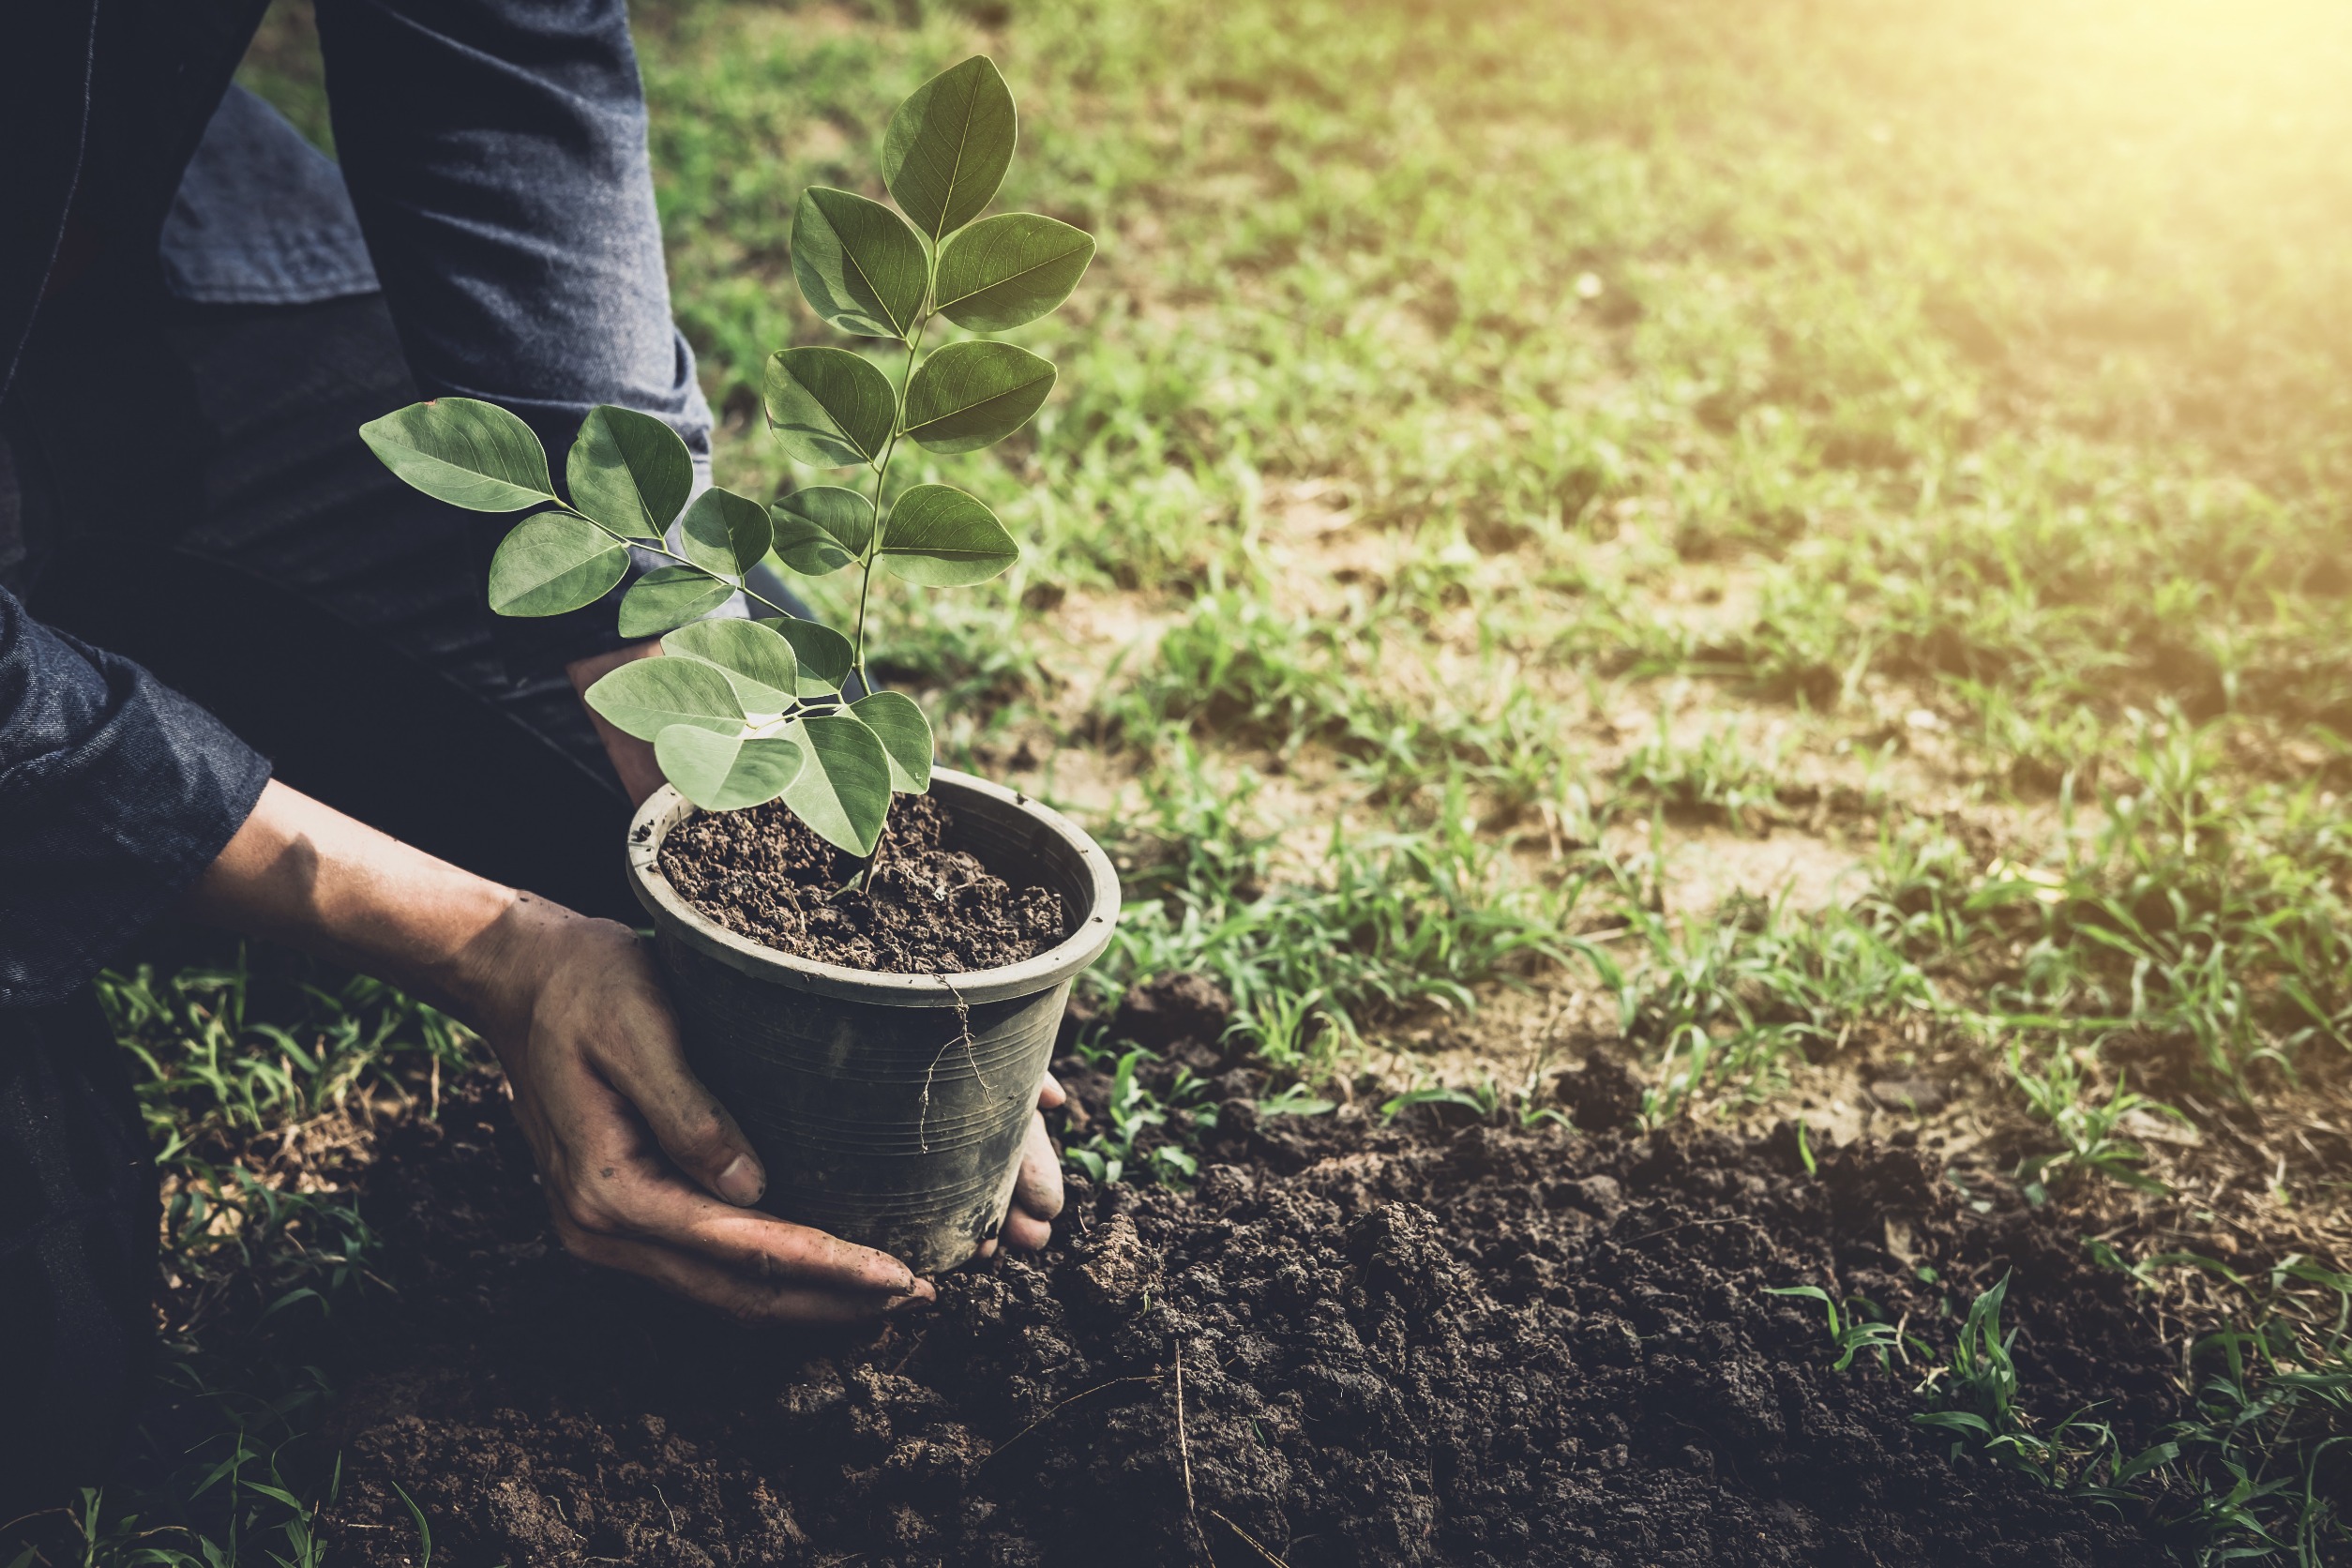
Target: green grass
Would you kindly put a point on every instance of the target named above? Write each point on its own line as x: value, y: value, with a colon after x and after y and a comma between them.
x: 1371, y: 926
x: 2236, y: 1478
x: 236, y: 1063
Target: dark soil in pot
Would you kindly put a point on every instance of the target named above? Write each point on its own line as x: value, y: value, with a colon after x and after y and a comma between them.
x: 1409, y: 1345
x: 922, y: 909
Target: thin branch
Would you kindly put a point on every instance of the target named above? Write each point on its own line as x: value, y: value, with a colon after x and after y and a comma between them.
x: 661, y: 547
x: 1254, y: 1545
x: 882, y: 473
x: 1184, y: 1452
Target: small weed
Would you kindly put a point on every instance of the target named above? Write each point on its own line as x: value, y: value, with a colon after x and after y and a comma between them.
x: 1718, y: 777
x: 1860, y: 1328
x: 1176, y: 1115
x: 2086, y: 1126
x: 1732, y: 1004
x: 1480, y: 1102
x: 1295, y: 1100
x: 1379, y: 924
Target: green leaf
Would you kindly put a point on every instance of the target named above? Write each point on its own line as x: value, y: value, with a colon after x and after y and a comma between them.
x: 726, y: 773
x: 843, y: 790
x: 948, y: 146
x: 1010, y: 269
x: 466, y: 452
x: 725, y: 532
x: 629, y: 472
x: 555, y: 562
x: 755, y: 660
x: 943, y: 538
x: 905, y: 735
x: 646, y: 696
x: 857, y: 264
x: 825, y: 655
x: 828, y: 406
x: 968, y: 395
x: 822, y: 529
x: 671, y: 596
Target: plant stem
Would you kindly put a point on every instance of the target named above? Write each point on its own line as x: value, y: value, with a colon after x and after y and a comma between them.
x: 661, y: 547
x: 881, y: 471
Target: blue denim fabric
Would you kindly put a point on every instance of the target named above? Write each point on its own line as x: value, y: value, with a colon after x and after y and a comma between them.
x: 115, y: 792
x: 495, y: 154
x: 262, y: 216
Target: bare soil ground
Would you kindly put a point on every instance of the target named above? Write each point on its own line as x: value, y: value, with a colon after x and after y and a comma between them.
x: 1350, y: 1345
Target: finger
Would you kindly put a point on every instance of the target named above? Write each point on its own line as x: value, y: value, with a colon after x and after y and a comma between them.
x: 1038, y: 1190
x: 750, y: 1301
x: 1050, y: 1095
x: 658, y: 1208
x: 650, y: 1070
x: 1026, y: 1232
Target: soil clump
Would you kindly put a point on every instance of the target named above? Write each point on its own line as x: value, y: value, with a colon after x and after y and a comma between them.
x: 922, y: 908
x: 1397, y: 1346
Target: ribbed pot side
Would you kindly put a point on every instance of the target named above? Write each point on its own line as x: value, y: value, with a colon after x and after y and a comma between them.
x: 888, y: 1108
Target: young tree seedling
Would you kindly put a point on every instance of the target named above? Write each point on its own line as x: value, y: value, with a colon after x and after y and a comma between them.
x: 742, y: 712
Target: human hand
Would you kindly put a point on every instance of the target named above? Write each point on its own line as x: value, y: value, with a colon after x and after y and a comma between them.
x: 637, y: 1155
x: 1038, y: 1191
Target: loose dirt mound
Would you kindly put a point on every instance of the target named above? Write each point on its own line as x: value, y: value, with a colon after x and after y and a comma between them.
x: 922, y: 910
x: 1482, y: 1347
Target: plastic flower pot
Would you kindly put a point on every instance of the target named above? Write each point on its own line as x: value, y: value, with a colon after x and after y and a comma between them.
x: 889, y: 1108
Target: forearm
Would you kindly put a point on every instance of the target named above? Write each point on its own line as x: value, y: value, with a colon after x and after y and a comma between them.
x: 304, y: 874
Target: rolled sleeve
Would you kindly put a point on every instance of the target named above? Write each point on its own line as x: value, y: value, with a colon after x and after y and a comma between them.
x: 115, y: 792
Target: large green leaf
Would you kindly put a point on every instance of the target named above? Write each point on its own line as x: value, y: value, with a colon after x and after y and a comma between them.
x: 948, y: 146
x: 725, y: 532
x: 968, y: 395
x: 646, y: 696
x: 822, y: 529
x: 1013, y: 268
x: 826, y: 655
x: 905, y: 735
x: 755, y: 660
x: 942, y: 537
x: 857, y: 264
x: 671, y: 596
x: 828, y: 406
x: 843, y: 790
x: 553, y: 563
x: 464, y: 451
x: 726, y: 773
x: 629, y: 472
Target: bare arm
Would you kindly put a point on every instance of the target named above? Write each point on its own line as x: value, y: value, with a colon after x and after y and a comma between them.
x: 644, y: 1170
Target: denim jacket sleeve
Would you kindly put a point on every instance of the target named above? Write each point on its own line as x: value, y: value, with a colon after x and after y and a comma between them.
x: 115, y: 792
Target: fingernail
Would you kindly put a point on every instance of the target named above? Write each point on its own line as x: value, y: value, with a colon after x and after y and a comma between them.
x: 742, y: 1182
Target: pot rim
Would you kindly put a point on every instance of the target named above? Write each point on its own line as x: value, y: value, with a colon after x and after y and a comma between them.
x: 665, y: 808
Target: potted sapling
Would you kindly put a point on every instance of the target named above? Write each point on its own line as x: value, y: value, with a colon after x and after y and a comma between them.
x: 873, y: 988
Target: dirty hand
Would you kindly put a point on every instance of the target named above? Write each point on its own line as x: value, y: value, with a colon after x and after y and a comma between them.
x: 631, y: 1149
x: 644, y: 1170
x: 1037, y: 1193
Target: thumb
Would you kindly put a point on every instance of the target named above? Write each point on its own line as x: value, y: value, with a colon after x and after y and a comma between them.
x: 698, y: 1133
